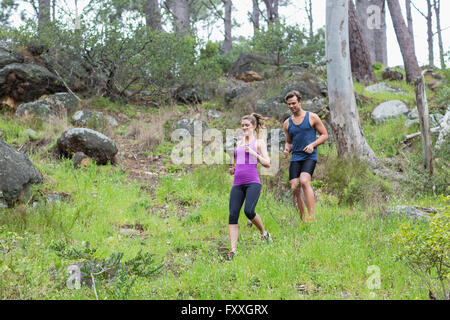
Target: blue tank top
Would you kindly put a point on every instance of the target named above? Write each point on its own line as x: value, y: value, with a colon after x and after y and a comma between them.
x: 302, y: 135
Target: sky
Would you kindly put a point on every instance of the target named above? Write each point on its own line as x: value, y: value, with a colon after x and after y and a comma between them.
x: 295, y: 14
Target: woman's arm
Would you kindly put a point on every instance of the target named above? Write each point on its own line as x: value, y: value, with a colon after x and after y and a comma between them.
x: 263, y: 157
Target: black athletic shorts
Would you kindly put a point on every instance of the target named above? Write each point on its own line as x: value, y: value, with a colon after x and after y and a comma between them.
x: 297, y: 167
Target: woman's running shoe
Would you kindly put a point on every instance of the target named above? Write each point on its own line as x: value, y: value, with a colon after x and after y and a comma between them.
x: 230, y: 256
x: 266, y: 237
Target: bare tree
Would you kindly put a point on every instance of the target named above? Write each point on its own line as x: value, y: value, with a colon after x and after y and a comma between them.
x: 254, y: 15
x: 226, y: 17
x: 372, y: 18
x: 181, y: 12
x: 349, y: 137
x: 430, y: 34
x: 272, y: 10
x: 152, y: 13
x: 308, y: 9
x: 410, y: 20
x: 43, y: 14
x: 359, y: 55
x: 437, y: 10
x: 413, y: 74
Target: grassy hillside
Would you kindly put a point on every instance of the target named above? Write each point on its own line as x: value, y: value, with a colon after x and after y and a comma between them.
x: 162, y: 229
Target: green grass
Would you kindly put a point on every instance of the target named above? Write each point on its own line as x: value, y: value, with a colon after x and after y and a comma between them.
x: 185, y: 226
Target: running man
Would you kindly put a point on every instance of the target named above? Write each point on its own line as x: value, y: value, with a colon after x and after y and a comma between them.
x: 247, y: 185
x: 301, y: 133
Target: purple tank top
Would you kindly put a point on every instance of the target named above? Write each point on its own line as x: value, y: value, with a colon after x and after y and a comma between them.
x: 246, y: 170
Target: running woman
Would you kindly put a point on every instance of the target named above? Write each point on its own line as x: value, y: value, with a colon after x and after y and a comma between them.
x: 301, y: 139
x: 247, y: 186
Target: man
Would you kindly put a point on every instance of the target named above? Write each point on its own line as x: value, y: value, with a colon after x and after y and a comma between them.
x: 301, y: 139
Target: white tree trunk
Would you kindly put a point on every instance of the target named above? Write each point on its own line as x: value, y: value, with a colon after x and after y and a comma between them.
x: 350, y: 140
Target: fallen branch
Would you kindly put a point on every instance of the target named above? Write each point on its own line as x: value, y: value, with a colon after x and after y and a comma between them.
x: 413, y: 135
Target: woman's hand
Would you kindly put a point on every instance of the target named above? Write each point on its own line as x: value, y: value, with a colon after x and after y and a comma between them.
x: 231, y: 169
x: 250, y: 151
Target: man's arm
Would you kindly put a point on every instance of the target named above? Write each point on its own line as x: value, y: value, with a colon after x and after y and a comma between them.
x: 320, y: 128
x: 288, y: 146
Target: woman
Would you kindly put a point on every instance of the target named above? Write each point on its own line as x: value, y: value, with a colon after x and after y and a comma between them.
x: 247, y: 186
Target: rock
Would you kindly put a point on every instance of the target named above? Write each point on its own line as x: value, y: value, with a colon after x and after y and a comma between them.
x: 92, y: 143
x: 86, y: 117
x: 308, y: 85
x: 237, y: 92
x: 383, y: 87
x: 79, y: 159
x: 250, y: 76
x: 413, y: 118
x: 25, y: 82
x: 214, y: 114
x: 391, y: 74
x: 445, y: 128
x: 263, y: 64
x: 193, y: 94
x: 318, y: 106
x: 411, y: 212
x: 8, y: 55
x: 389, y: 109
x: 273, y: 108
x: 57, y: 105
x: 190, y: 125
x: 17, y: 174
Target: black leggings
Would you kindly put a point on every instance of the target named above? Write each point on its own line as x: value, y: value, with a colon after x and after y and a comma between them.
x: 248, y: 192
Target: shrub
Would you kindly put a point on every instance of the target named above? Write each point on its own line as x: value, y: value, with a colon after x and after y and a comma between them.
x: 425, y: 250
x: 353, y: 182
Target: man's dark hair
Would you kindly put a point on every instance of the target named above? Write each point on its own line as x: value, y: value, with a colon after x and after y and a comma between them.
x: 291, y: 94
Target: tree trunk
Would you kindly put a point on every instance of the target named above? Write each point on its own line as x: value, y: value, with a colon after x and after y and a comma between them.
x: 44, y: 14
x: 372, y: 19
x: 182, y: 14
x: 272, y: 10
x: 308, y: 9
x: 404, y: 40
x: 152, y: 14
x: 255, y: 16
x: 422, y: 107
x: 359, y: 55
x: 413, y: 74
x: 437, y: 10
x: 380, y: 35
x: 350, y: 140
x: 410, y: 21
x: 430, y: 34
x: 227, y: 44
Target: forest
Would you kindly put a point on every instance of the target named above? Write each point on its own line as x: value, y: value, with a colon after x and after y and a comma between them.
x: 121, y: 122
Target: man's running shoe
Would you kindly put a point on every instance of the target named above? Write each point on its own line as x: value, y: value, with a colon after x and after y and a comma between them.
x: 266, y: 237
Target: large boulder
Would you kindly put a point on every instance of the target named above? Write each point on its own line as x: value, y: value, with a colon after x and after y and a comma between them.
x: 389, y: 109
x: 25, y: 82
x: 391, y: 74
x: 17, y: 174
x: 92, y: 143
x: 383, y: 87
x: 237, y: 92
x: 191, y: 125
x: 57, y: 105
x: 263, y: 64
x: 86, y: 117
x: 193, y: 94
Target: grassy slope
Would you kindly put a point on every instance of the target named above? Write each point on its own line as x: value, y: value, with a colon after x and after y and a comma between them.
x: 185, y: 227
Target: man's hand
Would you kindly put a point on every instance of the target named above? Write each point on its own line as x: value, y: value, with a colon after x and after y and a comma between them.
x: 287, y: 150
x: 309, y: 148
